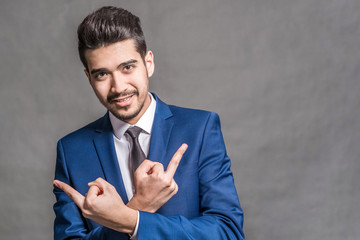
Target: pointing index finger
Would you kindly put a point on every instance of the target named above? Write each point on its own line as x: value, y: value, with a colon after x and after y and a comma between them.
x: 71, y: 192
x: 174, y: 163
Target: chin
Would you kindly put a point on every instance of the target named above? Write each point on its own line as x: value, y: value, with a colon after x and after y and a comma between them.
x: 125, y: 116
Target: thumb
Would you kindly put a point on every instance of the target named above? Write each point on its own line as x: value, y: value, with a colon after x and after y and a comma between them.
x: 145, y: 167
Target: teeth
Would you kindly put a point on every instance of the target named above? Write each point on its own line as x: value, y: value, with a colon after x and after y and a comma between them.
x: 124, y: 100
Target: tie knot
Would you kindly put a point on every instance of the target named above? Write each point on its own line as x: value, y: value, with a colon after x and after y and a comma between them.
x: 134, y: 131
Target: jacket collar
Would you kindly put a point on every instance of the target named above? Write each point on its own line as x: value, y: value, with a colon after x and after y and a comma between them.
x: 105, y: 149
x: 161, y: 130
x: 104, y: 144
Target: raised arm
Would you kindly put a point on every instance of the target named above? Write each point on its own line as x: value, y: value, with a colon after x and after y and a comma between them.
x: 221, y: 216
x: 153, y: 185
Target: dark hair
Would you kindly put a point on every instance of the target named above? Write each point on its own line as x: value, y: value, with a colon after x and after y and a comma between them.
x: 109, y: 25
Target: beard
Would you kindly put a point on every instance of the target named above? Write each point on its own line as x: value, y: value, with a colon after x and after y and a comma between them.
x: 126, y: 116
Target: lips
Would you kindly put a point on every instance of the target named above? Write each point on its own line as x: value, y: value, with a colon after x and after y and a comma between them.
x: 123, y: 101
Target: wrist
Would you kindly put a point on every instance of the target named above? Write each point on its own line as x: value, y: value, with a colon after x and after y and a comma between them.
x: 136, y: 204
x: 133, y: 203
x: 127, y: 220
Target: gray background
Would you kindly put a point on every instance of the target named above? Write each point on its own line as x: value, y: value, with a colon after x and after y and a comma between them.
x: 283, y: 75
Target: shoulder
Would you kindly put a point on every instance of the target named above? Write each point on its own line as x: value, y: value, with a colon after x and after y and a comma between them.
x: 181, y: 113
x: 86, y: 132
x: 193, y: 115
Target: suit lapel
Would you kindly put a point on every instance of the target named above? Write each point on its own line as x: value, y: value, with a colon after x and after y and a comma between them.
x: 161, y: 131
x: 104, y: 145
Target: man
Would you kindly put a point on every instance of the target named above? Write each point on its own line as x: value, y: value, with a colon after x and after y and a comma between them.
x: 182, y: 191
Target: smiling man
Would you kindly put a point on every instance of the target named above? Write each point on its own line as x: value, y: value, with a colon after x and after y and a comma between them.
x: 119, y: 77
x: 145, y: 170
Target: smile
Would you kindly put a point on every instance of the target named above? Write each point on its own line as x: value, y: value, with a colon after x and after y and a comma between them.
x: 124, y: 101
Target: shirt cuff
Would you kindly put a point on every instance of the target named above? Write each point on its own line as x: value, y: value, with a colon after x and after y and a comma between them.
x: 135, y: 234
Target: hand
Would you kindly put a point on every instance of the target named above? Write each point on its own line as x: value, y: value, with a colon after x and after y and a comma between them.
x: 154, y: 186
x: 103, y: 205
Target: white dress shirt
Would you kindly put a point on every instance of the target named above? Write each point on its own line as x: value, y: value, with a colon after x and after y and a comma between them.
x: 122, y: 146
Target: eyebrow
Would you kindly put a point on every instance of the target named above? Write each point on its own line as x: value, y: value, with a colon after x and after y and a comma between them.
x: 94, y: 71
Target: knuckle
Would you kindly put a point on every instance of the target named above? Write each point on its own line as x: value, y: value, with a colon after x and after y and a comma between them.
x: 69, y: 195
x: 85, y: 214
x: 176, y: 188
x: 159, y: 165
x: 173, y: 186
x: 110, y: 187
x: 179, y: 155
x: 176, y: 161
x: 147, y: 161
x: 89, y: 204
x: 167, y: 183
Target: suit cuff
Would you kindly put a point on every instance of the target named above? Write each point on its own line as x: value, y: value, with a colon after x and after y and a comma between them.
x: 134, y: 236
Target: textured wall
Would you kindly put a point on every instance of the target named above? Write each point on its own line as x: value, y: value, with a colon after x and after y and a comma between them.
x: 283, y: 75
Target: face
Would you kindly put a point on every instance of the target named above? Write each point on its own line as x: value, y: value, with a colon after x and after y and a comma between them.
x: 119, y: 78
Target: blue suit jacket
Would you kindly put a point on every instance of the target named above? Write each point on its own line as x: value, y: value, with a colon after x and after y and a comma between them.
x: 206, y: 205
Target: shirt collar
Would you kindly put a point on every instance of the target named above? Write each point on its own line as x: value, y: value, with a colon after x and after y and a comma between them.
x: 145, y: 122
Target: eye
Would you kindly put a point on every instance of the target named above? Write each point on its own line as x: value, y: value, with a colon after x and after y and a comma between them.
x: 127, y: 68
x: 100, y: 75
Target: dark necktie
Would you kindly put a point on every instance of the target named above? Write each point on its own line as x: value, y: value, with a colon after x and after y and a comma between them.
x: 137, y: 156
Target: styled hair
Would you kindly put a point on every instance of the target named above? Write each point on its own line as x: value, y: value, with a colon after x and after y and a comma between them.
x: 109, y: 25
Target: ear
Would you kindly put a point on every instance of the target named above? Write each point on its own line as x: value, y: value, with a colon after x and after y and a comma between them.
x: 149, y: 63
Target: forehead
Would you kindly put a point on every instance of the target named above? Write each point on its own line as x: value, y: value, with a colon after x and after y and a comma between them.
x: 112, y: 55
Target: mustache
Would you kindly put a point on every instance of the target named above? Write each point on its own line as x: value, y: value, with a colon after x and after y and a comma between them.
x: 113, y: 96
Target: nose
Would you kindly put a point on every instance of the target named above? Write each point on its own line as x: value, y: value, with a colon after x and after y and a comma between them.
x: 118, y: 82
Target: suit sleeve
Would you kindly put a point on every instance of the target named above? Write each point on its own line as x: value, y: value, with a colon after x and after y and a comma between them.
x: 221, y: 216
x: 69, y: 222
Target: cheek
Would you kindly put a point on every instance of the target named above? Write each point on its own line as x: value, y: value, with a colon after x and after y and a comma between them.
x: 139, y: 82
x: 143, y: 82
x: 101, y: 90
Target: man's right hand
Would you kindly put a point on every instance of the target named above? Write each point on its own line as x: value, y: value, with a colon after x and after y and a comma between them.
x: 154, y: 186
